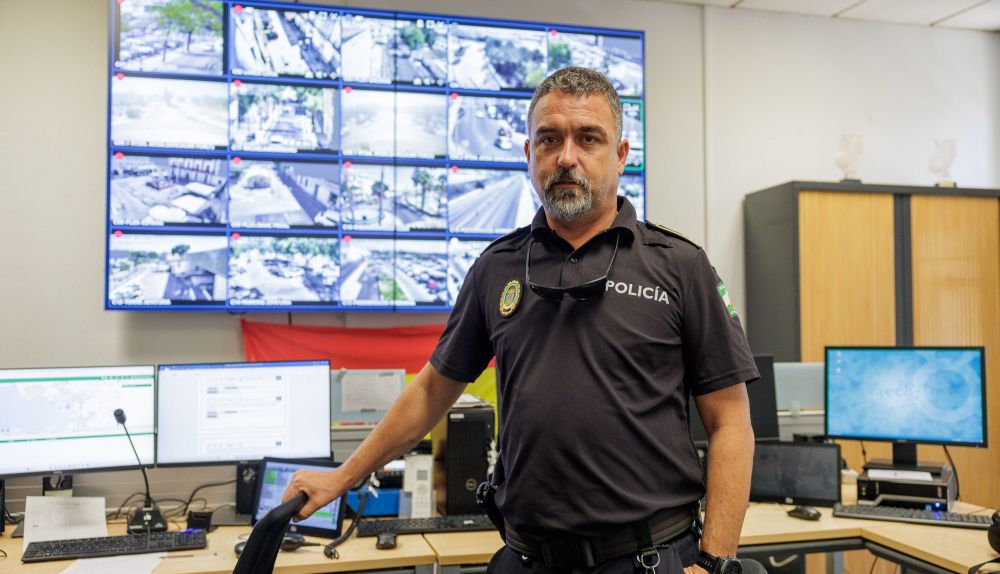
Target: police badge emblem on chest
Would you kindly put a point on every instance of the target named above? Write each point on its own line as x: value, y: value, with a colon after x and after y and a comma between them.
x: 510, y: 297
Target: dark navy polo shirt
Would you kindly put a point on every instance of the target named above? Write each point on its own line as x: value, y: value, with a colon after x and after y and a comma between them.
x: 593, y: 394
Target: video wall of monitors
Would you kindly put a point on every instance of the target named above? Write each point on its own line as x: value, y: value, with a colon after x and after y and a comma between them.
x: 269, y: 156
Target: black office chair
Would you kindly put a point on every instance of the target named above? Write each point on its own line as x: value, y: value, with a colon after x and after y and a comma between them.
x: 265, y: 539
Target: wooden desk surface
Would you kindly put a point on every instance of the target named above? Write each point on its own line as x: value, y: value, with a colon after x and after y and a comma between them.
x: 465, y: 547
x: 218, y: 557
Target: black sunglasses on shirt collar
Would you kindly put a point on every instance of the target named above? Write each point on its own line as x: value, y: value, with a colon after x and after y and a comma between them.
x: 593, y: 289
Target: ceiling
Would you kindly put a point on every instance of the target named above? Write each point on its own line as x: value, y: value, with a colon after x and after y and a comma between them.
x: 965, y: 14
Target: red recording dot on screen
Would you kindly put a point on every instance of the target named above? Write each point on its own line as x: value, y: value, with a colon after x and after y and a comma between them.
x: 120, y: 76
x: 119, y: 155
x: 347, y: 89
x: 237, y: 83
x: 118, y: 233
x: 347, y: 165
x: 347, y: 239
x: 454, y: 95
x: 236, y: 159
x: 235, y: 236
x: 553, y: 32
x: 454, y: 168
x: 237, y: 8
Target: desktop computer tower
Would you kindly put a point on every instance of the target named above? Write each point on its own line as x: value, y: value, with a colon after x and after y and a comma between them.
x: 460, y: 444
x: 247, y: 475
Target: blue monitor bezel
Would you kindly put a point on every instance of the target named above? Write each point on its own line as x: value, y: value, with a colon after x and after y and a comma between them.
x: 222, y: 304
x: 897, y: 440
x: 102, y: 468
x: 223, y: 365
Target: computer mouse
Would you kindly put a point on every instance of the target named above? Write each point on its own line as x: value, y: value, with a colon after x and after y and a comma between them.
x: 805, y: 513
x: 293, y: 541
x: 238, y: 549
x: 386, y: 541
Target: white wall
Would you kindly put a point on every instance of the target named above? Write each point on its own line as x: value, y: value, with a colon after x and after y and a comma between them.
x: 781, y: 89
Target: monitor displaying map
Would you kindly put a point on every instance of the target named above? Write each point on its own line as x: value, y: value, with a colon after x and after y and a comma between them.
x: 62, y: 419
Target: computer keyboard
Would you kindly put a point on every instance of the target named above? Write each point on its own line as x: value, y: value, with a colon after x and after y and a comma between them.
x: 454, y: 523
x: 914, y: 515
x: 114, y: 545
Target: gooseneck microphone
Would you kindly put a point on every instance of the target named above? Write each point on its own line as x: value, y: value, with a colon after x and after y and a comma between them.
x: 148, y: 518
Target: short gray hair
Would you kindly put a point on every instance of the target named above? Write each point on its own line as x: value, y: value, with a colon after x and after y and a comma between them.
x: 583, y: 81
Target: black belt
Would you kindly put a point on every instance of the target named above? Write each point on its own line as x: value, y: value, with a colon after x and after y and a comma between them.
x: 568, y: 551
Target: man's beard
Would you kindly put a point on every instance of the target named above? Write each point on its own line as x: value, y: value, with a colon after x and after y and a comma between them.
x: 567, y: 204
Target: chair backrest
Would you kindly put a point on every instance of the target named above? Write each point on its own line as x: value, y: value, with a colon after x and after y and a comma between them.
x: 265, y: 539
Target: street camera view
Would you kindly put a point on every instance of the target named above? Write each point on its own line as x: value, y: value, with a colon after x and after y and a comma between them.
x: 369, y: 127
x: 156, y: 112
x: 632, y: 130
x: 367, y: 48
x: 421, y: 51
x: 284, y: 194
x: 487, y: 129
x: 182, y: 36
x: 145, y: 269
x: 490, y: 58
x: 421, y: 276
x: 420, y: 125
x: 162, y: 190
x: 617, y: 57
x: 421, y: 204
x: 631, y: 186
x: 285, y: 270
x: 270, y: 42
x: 288, y: 119
x: 369, y: 197
x: 489, y: 201
x: 462, y: 253
x: 367, y: 273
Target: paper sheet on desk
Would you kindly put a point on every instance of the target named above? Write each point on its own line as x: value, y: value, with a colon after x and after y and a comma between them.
x: 63, y: 517
x: 131, y: 564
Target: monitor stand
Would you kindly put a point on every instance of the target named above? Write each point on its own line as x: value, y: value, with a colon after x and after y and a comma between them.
x: 904, y: 457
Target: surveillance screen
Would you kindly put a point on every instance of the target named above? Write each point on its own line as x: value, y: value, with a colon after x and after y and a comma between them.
x: 369, y: 197
x: 369, y: 122
x: 266, y: 194
x: 179, y: 36
x: 631, y: 185
x: 487, y: 129
x: 166, y: 269
x: 167, y: 190
x: 283, y: 270
x: 284, y: 118
x: 367, y: 48
x: 493, y: 58
x: 254, y: 147
x: 421, y: 203
x: 617, y: 57
x: 299, y: 43
x: 168, y: 113
x: 490, y: 201
x: 462, y: 253
x: 420, y: 47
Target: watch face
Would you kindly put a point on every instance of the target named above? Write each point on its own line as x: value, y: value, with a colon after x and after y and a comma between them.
x: 730, y: 566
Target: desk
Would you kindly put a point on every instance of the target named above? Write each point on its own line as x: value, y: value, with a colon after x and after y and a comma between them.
x: 412, y: 554
x: 767, y: 528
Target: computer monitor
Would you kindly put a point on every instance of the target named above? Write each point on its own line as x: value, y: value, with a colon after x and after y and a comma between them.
x: 796, y: 473
x: 276, y: 473
x: 229, y: 412
x: 907, y: 395
x: 62, y: 419
x: 763, y: 406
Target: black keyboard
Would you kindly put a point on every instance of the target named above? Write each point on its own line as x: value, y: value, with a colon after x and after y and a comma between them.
x: 914, y: 515
x: 454, y: 523
x: 114, y: 545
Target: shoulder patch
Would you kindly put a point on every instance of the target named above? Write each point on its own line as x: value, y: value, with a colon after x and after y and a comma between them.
x: 520, y: 231
x: 672, y: 233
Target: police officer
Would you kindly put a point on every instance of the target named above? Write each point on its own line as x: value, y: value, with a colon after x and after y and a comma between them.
x: 601, y: 327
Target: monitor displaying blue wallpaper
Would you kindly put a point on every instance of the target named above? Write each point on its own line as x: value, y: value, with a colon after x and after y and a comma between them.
x: 922, y: 395
x: 278, y: 156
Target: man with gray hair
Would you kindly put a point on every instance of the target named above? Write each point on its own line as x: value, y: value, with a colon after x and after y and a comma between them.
x: 601, y: 327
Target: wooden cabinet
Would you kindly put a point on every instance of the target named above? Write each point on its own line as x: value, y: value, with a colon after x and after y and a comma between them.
x: 856, y: 264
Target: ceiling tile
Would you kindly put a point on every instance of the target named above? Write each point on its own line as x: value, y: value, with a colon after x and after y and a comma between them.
x: 920, y: 12
x: 816, y: 7
x: 983, y: 17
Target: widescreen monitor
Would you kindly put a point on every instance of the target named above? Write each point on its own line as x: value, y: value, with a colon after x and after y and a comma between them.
x: 933, y: 395
x: 228, y: 412
x: 62, y: 419
x: 258, y: 151
x: 763, y: 406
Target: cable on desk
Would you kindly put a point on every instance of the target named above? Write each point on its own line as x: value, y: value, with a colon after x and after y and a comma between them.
x: 209, y: 485
x: 118, y: 513
x: 3, y: 555
x: 330, y: 550
x: 954, y: 469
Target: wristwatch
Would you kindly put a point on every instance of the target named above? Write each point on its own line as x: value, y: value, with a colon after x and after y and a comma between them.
x: 719, y: 564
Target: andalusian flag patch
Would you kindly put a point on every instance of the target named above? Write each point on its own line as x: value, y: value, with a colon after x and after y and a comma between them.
x: 724, y: 293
